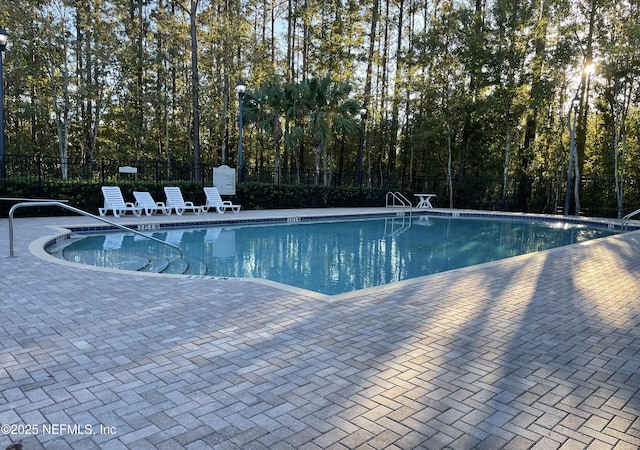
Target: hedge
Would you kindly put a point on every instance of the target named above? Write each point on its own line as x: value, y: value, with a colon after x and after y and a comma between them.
x: 87, y: 196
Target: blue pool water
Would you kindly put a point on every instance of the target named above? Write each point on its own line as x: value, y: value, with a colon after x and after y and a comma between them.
x: 331, y: 257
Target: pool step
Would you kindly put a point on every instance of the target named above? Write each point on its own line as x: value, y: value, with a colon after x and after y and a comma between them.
x: 57, y: 248
x: 177, y: 266
x: 156, y: 264
x: 124, y: 262
x: 148, y: 263
x: 185, y: 266
x: 196, y: 267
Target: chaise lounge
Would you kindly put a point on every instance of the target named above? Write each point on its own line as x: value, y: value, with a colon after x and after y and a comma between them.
x: 176, y: 201
x: 215, y: 201
x: 145, y: 201
x: 114, y: 201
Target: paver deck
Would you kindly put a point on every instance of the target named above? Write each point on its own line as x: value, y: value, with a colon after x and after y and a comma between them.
x: 539, y: 351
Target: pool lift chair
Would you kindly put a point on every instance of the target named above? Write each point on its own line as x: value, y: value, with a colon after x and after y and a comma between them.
x: 149, y: 206
x: 215, y: 201
x: 176, y: 201
x: 113, y: 201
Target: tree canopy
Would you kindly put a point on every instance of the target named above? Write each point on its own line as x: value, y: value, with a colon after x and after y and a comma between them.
x: 452, y: 88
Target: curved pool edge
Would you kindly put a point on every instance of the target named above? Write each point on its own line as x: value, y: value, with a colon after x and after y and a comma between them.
x: 38, y: 247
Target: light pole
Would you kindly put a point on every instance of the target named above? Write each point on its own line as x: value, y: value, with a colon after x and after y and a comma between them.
x: 363, y: 118
x: 3, y: 163
x: 575, y: 106
x: 241, y: 87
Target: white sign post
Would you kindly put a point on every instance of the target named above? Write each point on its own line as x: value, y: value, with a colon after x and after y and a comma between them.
x: 130, y: 170
x: 224, y: 178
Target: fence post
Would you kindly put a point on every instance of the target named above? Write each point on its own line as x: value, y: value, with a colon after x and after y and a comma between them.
x: 594, y: 202
x: 40, y: 172
x: 308, y: 189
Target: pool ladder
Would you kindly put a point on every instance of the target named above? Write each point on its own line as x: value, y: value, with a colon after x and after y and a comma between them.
x: 84, y: 213
x: 398, y: 200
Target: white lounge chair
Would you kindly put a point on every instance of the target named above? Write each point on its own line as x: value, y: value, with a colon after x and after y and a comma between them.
x: 113, y: 201
x: 215, y: 201
x: 145, y: 201
x: 176, y: 201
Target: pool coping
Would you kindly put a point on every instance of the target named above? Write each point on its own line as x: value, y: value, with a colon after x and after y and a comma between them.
x: 266, y: 217
x: 293, y: 216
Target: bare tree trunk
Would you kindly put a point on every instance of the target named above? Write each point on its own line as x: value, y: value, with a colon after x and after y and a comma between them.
x: 84, y: 71
x: 623, y: 138
x: 449, y: 148
x: 226, y: 89
x: 62, y: 108
x: 291, y: 18
x: 368, y: 81
x: 466, y: 129
x: 272, y: 10
x: 384, y: 66
x: 507, y: 157
x: 167, y: 141
x: 397, y: 86
x: 195, y: 80
x: 316, y: 156
x: 581, y: 132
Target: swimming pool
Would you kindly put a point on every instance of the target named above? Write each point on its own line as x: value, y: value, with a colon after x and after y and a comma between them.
x: 331, y: 257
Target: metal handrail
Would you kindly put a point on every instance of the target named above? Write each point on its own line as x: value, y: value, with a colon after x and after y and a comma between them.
x: 630, y: 215
x: 84, y: 213
x: 402, y: 200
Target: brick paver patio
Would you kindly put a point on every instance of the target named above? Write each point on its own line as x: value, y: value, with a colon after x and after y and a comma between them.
x: 537, y: 352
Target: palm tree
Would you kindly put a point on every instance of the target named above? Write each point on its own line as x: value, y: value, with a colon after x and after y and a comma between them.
x: 296, y: 114
x: 331, y: 112
x: 321, y: 104
x: 265, y: 108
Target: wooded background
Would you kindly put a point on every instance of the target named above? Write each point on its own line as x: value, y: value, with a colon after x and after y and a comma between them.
x: 453, y: 89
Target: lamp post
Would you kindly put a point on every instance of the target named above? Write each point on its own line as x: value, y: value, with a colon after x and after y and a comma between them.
x: 241, y: 87
x: 3, y: 163
x: 575, y: 106
x: 363, y: 117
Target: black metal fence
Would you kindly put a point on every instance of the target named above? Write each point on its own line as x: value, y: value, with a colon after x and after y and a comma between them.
x: 598, y: 197
x: 38, y: 167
